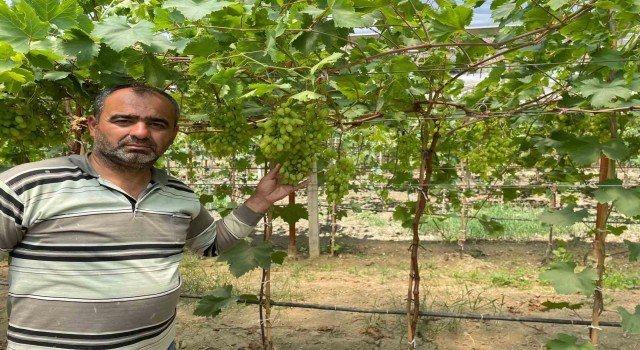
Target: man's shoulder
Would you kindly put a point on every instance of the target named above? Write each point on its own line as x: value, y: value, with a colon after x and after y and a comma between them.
x: 178, y: 185
x: 35, y: 168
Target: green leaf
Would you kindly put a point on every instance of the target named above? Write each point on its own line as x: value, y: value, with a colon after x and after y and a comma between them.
x: 155, y: 73
x: 55, y: 75
x: 202, y: 46
x: 634, y: 250
x: 404, y: 213
x: 290, y: 213
x: 263, y: 89
x: 630, y: 322
x: 116, y: 32
x: 582, y: 150
x: 327, y: 60
x: 603, y: 93
x: 549, y: 305
x: 345, y: 16
x: 196, y: 10
x: 77, y: 43
x: 63, y: 14
x: 615, y: 149
x: 306, y: 96
x: 566, y: 281
x: 568, y: 342
x: 490, y: 225
x: 625, y: 200
x: 212, y: 304
x: 564, y: 217
x: 242, y: 258
x: 21, y: 26
x: 278, y: 257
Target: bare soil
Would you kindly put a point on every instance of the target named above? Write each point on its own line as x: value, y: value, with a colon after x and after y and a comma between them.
x: 372, y: 274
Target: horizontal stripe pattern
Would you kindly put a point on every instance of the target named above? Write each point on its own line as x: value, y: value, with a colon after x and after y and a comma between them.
x: 93, y: 268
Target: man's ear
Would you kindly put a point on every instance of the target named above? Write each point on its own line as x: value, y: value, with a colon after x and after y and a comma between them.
x: 92, y: 123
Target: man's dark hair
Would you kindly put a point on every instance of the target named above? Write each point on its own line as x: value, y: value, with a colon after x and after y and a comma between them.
x: 138, y: 88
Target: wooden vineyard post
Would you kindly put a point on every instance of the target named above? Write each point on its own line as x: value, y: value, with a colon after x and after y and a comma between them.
x: 312, y: 207
x: 334, y: 227
x: 554, y: 205
x: 463, y: 212
x: 292, y: 251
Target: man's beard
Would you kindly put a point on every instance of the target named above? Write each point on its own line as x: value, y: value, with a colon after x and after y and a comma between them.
x: 119, y: 155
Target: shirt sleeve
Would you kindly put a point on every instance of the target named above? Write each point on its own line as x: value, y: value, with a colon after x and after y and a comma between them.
x: 11, y: 218
x: 209, y: 237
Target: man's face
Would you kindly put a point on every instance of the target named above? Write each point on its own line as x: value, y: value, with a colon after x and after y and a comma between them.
x: 134, y: 129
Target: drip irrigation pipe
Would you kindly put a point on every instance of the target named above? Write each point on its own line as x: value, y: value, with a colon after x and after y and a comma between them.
x: 424, y: 313
x: 480, y: 317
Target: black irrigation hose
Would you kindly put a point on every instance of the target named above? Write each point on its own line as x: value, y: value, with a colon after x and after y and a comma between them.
x: 425, y: 313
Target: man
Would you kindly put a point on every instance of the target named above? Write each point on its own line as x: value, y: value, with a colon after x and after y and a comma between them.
x: 96, y: 241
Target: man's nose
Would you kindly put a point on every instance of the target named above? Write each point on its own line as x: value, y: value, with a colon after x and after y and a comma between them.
x: 139, y: 130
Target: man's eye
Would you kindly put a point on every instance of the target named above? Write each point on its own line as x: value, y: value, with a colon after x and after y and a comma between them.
x: 158, y: 125
x: 121, y: 121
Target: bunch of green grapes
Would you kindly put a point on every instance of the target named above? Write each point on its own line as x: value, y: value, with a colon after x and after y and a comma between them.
x: 236, y: 133
x: 29, y: 126
x: 491, y: 148
x: 337, y: 179
x: 293, y: 137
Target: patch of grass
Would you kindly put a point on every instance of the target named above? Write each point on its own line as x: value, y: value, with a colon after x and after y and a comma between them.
x: 372, y: 219
x: 196, y: 279
x: 520, y: 222
x: 503, y: 279
x: 621, y: 280
x: 468, y: 276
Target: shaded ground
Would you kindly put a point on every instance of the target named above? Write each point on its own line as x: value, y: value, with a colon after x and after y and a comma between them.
x: 500, y: 278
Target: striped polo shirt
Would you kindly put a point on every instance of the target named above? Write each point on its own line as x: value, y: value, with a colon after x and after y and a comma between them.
x: 93, y: 268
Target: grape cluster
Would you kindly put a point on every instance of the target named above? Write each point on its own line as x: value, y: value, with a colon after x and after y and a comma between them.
x: 293, y: 137
x: 28, y: 127
x: 492, y: 148
x: 235, y: 136
x: 337, y: 179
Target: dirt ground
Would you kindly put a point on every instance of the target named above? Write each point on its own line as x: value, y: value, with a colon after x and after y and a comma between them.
x: 372, y: 274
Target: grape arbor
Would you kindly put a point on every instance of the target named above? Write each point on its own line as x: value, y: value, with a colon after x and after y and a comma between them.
x: 275, y: 81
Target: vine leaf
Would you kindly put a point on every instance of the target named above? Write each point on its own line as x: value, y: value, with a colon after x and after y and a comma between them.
x: 625, y: 200
x: 118, y: 33
x: 550, y: 305
x: 568, y: 342
x: 327, y: 60
x: 603, y: 93
x: 615, y: 149
x: 62, y: 14
x: 566, y: 281
x: 345, y: 16
x: 290, y: 213
x: 242, y: 258
x: 630, y: 322
x: 490, y: 225
x: 582, y: 150
x: 77, y: 43
x: 212, y: 304
x: 306, y: 96
x: 20, y: 26
x: 196, y: 10
x: 634, y: 250
x: 564, y: 217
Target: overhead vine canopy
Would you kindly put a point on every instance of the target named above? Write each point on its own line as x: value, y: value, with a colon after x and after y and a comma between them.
x: 543, y: 57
